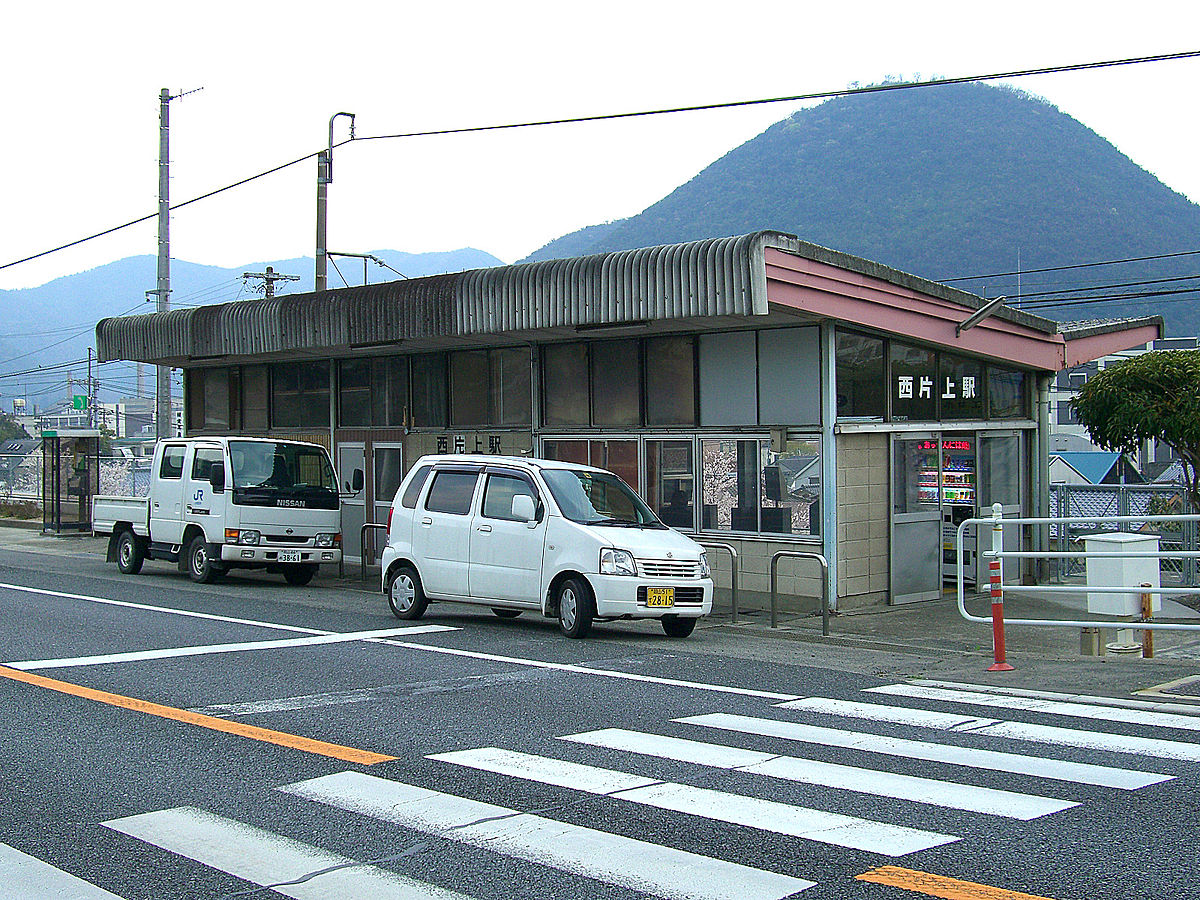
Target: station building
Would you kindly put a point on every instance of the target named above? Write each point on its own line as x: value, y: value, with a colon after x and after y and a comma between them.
x: 758, y: 391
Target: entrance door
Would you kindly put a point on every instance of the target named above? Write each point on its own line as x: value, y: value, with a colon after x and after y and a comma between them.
x: 1001, y: 480
x: 916, y: 556
x: 354, y: 509
x: 387, y: 471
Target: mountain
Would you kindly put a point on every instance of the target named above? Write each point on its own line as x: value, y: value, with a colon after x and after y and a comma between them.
x: 56, y: 322
x: 943, y: 182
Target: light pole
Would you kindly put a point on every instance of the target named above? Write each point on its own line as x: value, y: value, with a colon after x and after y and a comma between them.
x: 324, y: 177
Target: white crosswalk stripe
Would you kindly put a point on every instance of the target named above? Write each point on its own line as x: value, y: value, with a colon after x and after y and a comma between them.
x: 1021, y: 731
x: 951, y: 795
x: 287, y: 867
x: 29, y: 878
x: 615, y: 859
x: 971, y: 757
x: 752, y: 812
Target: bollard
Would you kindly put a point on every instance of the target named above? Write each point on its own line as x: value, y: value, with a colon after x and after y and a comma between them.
x: 1147, y: 615
x: 997, y: 578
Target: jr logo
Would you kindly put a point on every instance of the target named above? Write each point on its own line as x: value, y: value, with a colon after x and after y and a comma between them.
x: 198, y: 497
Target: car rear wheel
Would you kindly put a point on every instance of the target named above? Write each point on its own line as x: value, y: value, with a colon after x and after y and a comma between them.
x: 506, y: 613
x: 405, y: 596
x: 576, y: 608
x: 129, y: 554
x: 678, y: 627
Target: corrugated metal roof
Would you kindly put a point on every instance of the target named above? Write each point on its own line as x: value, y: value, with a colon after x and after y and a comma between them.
x: 717, y: 277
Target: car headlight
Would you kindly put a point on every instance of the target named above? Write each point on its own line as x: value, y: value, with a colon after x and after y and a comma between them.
x: 327, y: 540
x: 245, y: 536
x: 705, y: 571
x: 617, y: 562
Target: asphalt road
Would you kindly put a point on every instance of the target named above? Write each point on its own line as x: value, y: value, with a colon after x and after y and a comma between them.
x: 164, y: 739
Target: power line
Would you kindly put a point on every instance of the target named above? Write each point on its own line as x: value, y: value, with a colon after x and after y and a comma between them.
x: 1088, y: 265
x: 608, y: 117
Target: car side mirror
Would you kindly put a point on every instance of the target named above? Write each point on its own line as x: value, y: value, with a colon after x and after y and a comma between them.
x: 523, y: 508
x: 216, y: 477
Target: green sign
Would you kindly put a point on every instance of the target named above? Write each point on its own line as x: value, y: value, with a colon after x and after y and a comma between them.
x: 80, y: 401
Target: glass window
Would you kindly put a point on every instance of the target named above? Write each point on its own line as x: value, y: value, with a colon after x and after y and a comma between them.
x: 451, y: 492
x: 413, y: 490
x: 172, y: 462
x: 498, y: 496
x: 354, y: 393
x: 468, y: 388
x: 791, y: 488
x: 960, y: 387
x: 567, y: 451
x: 730, y: 472
x: 616, y: 384
x: 670, y: 381
x: 619, y: 456
x: 728, y: 379
x: 255, y: 394
x: 429, y: 390
x: 1008, y: 395
x: 388, y: 473
x: 216, y: 398
x: 670, y: 482
x: 508, y: 390
x: 389, y: 391
x: 203, y: 460
x: 789, y: 376
x: 860, y: 381
x: 913, y: 383
x: 195, y: 399
x: 300, y: 394
x: 565, y: 384
x: 596, y: 497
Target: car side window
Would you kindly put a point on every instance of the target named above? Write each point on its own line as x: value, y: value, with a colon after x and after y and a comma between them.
x: 499, y: 492
x: 203, y: 462
x: 451, y: 492
x: 413, y: 491
x: 172, y: 462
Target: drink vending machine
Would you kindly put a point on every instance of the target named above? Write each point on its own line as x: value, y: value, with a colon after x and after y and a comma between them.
x: 949, y: 479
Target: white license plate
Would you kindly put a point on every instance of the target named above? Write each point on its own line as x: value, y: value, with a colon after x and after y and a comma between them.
x: 289, y: 556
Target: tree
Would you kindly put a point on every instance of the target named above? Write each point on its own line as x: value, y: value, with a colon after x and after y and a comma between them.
x: 1153, y: 396
x: 10, y: 430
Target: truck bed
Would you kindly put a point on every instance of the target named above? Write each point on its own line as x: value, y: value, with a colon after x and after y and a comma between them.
x: 109, y: 509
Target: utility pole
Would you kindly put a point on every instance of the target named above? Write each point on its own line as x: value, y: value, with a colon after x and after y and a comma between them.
x: 162, y: 406
x: 324, y: 177
x: 269, y: 277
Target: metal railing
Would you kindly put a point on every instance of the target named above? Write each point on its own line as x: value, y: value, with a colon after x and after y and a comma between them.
x: 800, y: 554
x: 362, y: 546
x: 997, y: 554
x: 734, y: 568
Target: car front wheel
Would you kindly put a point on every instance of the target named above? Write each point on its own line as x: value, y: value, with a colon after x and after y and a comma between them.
x: 576, y: 608
x: 678, y: 627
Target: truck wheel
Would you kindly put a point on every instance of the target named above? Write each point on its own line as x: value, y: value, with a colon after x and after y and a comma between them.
x: 576, y: 608
x: 405, y: 596
x: 299, y: 576
x: 129, y: 554
x: 200, y: 567
x: 678, y: 627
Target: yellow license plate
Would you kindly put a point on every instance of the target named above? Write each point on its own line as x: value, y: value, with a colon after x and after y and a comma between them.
x: 660, y: 597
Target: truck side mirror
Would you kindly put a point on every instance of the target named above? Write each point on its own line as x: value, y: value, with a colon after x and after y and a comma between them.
x: 523, y: 508
x: 216, y: 477
x: 355, y: 484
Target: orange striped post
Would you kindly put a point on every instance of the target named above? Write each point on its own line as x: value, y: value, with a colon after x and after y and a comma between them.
x: 997, y: 583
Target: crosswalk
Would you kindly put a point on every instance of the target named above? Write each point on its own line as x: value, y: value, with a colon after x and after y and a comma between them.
x: 819, y: 771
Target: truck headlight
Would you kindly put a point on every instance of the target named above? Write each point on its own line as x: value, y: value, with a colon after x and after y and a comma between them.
x: 705, y: 571
x: 249, y: 537
x: 327, y: 540
x: 617, y: 562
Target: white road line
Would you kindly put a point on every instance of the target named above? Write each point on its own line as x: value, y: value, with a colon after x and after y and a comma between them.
x: 1042, y: 734
x: 751, y: 812
x: 971, y: 757
x: 1161, y: 705
x: 175, y: 652
x: 614, y: 859
x: 31, y: 879
x: 950, y: 795
x: 429, y: 648
x: 269, y: 860
x: 1041, y: 705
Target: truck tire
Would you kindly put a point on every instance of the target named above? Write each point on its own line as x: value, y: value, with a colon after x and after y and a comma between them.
x: 200, y: 566
x: 299, y: 576
x: 129, y: 554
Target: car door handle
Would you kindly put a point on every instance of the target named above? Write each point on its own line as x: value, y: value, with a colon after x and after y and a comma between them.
x: 427, y: 521
x: 486, y: 528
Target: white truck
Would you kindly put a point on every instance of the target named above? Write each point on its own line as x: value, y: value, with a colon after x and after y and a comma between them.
x: 217, y: 503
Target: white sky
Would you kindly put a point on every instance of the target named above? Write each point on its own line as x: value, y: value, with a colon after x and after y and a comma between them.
x: 81, y: 83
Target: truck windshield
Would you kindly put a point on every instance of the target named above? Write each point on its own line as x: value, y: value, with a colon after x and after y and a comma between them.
x: 598, y: 498
x: 277, y: 473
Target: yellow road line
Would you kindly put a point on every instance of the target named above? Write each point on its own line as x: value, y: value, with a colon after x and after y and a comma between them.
x: 940, y: 885
x: 295, y: 742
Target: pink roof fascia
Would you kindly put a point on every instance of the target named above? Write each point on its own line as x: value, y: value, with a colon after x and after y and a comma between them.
x: 831, y: 292
x: 1085, y: 349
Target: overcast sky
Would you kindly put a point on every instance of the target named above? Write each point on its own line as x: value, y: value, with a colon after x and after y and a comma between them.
x: 81, y: 85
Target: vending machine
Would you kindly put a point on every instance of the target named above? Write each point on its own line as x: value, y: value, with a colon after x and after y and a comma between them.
x: 957, y: 489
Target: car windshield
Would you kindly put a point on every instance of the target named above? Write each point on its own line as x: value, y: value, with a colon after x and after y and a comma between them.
x: 598, y: 498
x: 279, y: 466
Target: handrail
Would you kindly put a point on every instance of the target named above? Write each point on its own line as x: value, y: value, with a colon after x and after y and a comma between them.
x: 801, y: 554
x: 735, y: 567
x: 362, y: 556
